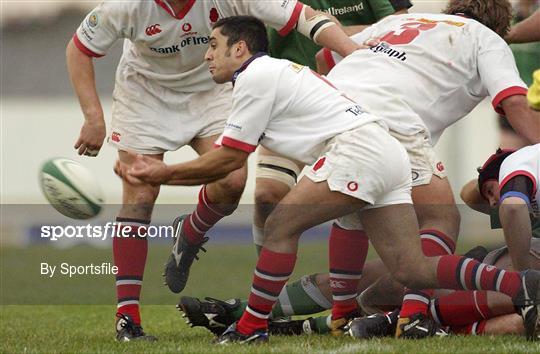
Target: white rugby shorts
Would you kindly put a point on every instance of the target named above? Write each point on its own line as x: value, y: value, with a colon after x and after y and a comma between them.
x: 424, y: 160
x: 366, y: 163
x: 150, y: 119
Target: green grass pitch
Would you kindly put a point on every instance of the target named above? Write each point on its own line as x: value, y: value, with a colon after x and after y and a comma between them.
x: 81, y: 319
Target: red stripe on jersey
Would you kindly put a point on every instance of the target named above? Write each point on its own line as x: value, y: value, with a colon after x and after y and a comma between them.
x: 237, y: 144
x: 519, y: 173
x: 83, y: 48
x: 507, y: 92
x: 327, y: 53
x: 293, y: 20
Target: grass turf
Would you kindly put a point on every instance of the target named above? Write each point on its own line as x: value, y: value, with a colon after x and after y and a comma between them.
x: 82, y: 319
x: 89, y: 329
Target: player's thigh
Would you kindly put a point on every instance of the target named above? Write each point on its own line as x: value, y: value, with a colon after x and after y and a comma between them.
x: 435, y: 206
x: 308, y: 204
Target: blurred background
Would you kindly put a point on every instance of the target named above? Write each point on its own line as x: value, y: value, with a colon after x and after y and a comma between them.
x: 40, y: 119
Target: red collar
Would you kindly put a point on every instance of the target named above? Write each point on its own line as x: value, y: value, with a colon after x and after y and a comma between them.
x: 164, y: 4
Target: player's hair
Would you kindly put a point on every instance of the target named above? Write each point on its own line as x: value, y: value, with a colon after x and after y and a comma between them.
x: 244, y: 28
x: 494, y: 14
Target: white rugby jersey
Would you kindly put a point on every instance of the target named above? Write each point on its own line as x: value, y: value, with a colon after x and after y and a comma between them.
x: 524, y: 162
x: 167, y: 47
x: 288, y: 109
x: 428, y: 71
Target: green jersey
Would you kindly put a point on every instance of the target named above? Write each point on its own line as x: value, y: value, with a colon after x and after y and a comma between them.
x: 302, y: 50
x: 527, y: 55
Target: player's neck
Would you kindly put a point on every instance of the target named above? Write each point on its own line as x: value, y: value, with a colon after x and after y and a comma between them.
x: 177, y: 5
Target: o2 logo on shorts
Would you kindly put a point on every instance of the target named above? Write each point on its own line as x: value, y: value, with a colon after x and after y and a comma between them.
x: 352, y: 186
x: 440, y: 166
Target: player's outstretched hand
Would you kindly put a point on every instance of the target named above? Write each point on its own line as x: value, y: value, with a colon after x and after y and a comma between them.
x: 91, y: 138
x: 148, y: 170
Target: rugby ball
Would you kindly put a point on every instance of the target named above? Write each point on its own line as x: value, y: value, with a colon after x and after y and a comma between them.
x: 70, y: 188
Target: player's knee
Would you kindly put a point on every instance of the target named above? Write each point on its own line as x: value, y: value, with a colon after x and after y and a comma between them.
x: 268, y: 193
x: 234, y: 183
x: 275, y: 177
x: 408, y: 275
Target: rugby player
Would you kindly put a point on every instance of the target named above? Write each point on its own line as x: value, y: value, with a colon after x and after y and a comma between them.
x: 469, y: 61
x: 275, y: 175
x: 359, y: 172
x: 164, y: 99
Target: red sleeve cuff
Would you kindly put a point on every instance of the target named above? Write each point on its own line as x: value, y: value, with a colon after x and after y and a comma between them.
x: 330, y: 62
x: 237, y: 144
x: 507, y: 92
x: 519, y: 173
x: 293, y: 20
x: 83, y: 48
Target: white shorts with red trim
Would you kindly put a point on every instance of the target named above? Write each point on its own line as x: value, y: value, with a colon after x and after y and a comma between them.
x: 424, y: 161
x: 150, y: 119
x: 366, y: 163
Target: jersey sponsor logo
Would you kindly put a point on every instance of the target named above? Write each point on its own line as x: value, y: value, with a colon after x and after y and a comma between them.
x: 152, y: 30
x: 352, y: 186
x: 177, y: 47
x: 186, y: 27
x: 214, y: 15
x: 355, y: 110
x: 386, y: 49
x: 338, y: 11
x: 93, y: 20
x: 284, y: 3
x: 233, y: 126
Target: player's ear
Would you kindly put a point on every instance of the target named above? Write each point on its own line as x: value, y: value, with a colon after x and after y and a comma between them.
x: 241, y: 48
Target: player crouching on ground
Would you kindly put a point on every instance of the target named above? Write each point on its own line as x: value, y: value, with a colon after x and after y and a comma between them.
x: 509, y: 180
x: 358, y: 169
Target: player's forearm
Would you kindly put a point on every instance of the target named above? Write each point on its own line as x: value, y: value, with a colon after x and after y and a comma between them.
x: 81, y: 72
x: 524, y: 120
x: 352, y: 30
x: 333, y: 37
x: 207, y: 168
x: 470, y: 194
x: 527, y: 30
x: 514, y: 215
